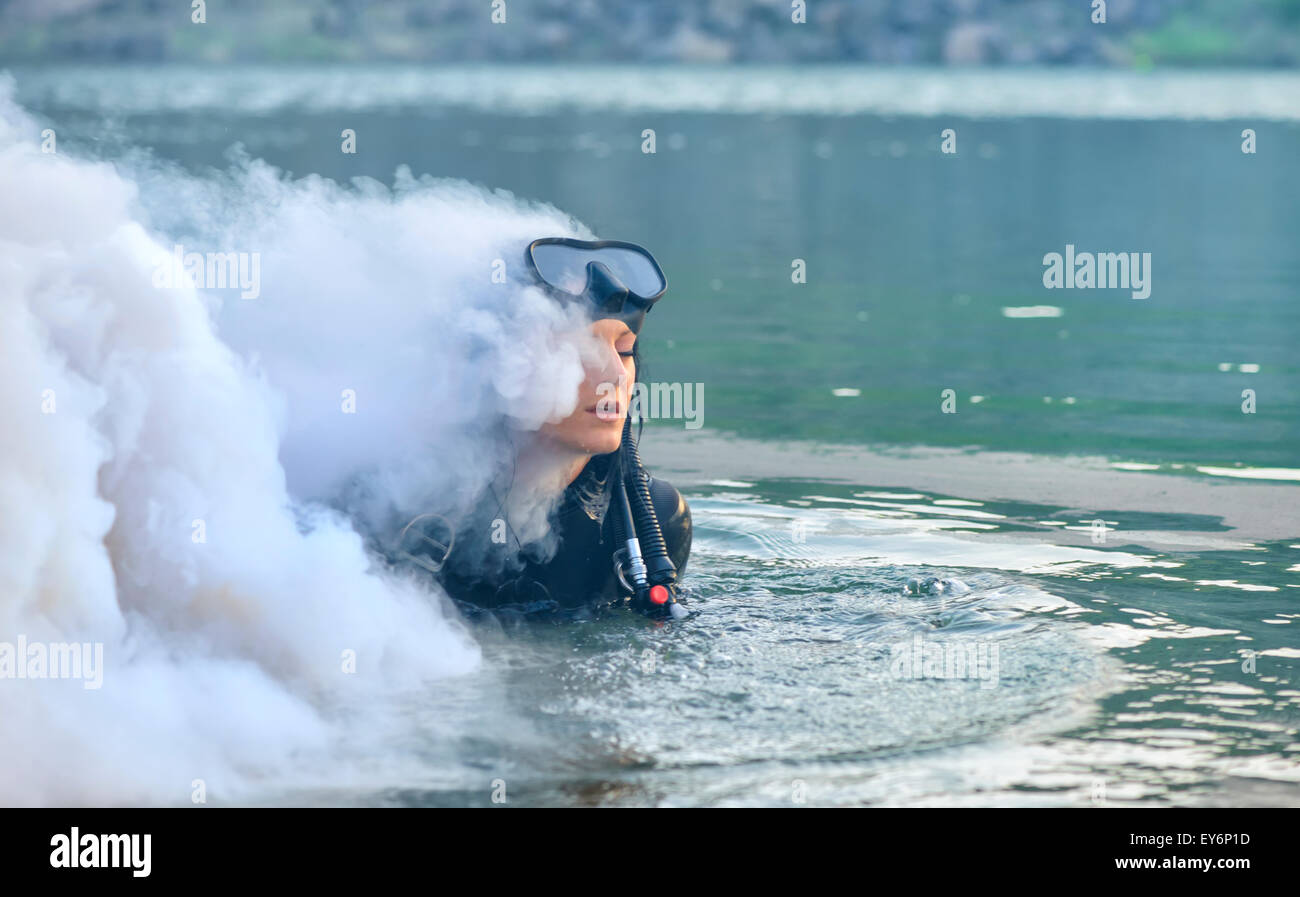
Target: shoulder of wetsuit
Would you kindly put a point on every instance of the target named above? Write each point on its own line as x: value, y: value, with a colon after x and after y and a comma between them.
x: 674, y: 519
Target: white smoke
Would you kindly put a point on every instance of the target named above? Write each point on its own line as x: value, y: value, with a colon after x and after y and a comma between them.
x: 179, y: 479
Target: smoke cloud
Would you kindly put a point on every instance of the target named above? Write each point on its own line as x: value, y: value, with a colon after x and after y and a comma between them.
x: 195, y: 479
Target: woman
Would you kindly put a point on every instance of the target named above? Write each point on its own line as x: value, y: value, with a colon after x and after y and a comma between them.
x: 623, y: 536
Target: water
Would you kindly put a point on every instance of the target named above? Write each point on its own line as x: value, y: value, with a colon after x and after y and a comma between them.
x: 1124, y: 665
x: 912, y: 255
x: 1120, y: 674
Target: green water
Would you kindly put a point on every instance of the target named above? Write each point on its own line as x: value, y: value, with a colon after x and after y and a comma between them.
x: 911, y: 254
x: 1125, y: 674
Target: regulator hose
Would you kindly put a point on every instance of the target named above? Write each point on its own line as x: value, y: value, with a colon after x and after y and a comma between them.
x: 661, y: 572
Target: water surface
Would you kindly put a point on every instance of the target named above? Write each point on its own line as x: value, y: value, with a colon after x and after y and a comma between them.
x: 1124, y: 674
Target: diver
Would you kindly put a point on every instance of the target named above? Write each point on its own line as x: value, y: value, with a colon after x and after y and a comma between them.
x: 623, y: 536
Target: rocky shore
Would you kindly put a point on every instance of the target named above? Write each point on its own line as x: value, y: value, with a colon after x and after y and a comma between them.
x: 1135, y: 33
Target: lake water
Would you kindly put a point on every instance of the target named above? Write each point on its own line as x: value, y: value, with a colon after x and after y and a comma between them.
x: 1109, y: 668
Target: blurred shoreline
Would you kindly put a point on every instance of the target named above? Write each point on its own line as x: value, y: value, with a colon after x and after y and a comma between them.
x: 1134, y: 34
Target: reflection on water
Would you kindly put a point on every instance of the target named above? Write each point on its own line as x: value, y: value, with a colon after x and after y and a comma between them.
x: 839, y: 653
x: 746, y: 90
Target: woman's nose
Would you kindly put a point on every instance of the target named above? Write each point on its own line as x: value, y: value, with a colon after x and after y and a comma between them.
x: 609, y: 365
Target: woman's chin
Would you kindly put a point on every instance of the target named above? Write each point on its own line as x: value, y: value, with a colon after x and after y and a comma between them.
x: 604, y: 438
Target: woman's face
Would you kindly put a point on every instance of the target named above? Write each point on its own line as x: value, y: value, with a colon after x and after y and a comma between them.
x: 596, y: 425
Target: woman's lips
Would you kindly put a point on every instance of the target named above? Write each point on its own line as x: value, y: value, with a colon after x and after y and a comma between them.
x: 606, y: 411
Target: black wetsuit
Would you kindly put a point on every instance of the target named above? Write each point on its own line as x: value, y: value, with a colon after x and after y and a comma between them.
x: 581, y: 573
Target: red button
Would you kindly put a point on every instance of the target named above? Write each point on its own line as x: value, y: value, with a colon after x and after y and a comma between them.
x: 659, y: 594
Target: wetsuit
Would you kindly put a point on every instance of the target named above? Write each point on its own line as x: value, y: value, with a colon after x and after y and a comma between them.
x: 581, y: 573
